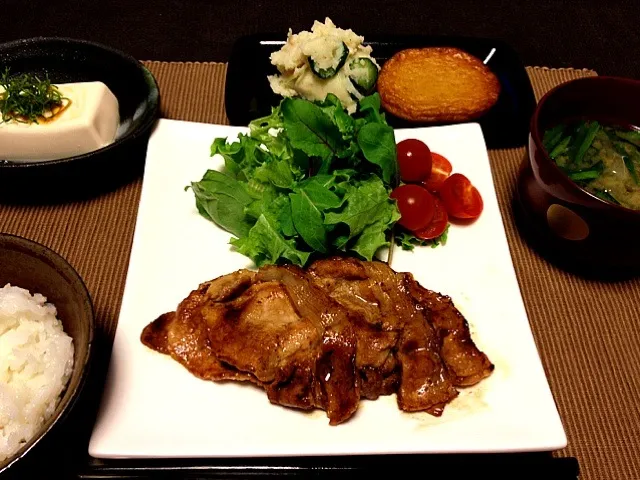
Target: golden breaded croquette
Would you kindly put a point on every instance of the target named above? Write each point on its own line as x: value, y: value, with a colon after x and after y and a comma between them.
x: 437, y: 84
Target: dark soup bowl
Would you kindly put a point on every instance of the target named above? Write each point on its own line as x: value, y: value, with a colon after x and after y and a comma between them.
x: 572, y: 226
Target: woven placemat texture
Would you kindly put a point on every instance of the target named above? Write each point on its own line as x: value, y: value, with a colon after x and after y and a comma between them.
x: 586, y: 331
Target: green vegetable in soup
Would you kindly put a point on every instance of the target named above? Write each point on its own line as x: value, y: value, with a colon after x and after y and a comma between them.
x: 560, y: 148
x: 585, y: 136
x: 602, y: 159
x: 631, y: 136
x: 553, y: 137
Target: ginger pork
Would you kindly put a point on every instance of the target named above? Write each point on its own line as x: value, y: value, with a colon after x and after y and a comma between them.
x: 324, y: 337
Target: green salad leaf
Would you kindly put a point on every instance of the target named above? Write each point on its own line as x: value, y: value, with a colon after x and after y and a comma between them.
x: 223, y: 200
x: 307, y: 180
x: 366, y: 202
x: 310, y: 130
x: 265, y: 244
x: 407, y: 241
x: 319, y: 189
x: 308, y: 221
x: 377, y: 142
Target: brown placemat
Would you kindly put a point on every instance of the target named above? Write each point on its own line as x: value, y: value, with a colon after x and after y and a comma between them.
x: 587, y: 332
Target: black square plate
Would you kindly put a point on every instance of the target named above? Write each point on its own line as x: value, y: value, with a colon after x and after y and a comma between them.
x: 249, y: 96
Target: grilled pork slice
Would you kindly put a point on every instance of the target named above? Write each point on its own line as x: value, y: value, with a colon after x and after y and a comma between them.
x: 466, y: 364
x: 325, y: 337
x: 184, y: 335
x: 273, y: 328
x: 380, y: 296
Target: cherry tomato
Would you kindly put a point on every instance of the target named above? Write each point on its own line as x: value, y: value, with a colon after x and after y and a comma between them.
x: 440, y: 170
x: 460, y: 197
x: 416, y: 206
x: 438, y: 223
x: 414, y: 160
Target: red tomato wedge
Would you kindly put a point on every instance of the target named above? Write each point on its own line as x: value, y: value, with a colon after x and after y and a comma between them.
x: 460, y: 197
x: 440, y: 170
x: 414, y: 160
x: 416, y: 206
x: 438, y: 224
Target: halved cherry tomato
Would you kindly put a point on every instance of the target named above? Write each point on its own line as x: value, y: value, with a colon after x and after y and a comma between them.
x: 416, y: 206
x: 440, y: 170
x: 438, y: 223
x: 414, y: 160
x: 460, y: 197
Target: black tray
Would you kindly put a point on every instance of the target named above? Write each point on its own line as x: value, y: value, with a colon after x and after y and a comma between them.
x: 249, y: 96
x: 523, y: 466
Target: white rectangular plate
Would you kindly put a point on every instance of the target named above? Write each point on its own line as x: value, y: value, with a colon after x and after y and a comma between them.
x: 154, y: 408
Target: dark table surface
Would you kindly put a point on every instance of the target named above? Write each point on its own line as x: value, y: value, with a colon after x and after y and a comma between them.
x: 594, y: 34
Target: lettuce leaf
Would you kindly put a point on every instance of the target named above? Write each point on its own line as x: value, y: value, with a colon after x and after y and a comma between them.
x: 308, y: 221
x: 407, y: 241
x: 378, y: 145
x: 223, y: 200
x: 307, y: 180
x: 366, y: 202
x: 264, y: 244
x: 310, y: 130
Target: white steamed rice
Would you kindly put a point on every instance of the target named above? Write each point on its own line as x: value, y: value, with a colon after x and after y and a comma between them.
x: 36, y: 360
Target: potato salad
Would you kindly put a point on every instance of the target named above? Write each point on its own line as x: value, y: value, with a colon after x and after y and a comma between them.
x: 325, y: 60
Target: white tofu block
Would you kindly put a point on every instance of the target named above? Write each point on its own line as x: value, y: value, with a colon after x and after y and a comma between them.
x: 90, y: 122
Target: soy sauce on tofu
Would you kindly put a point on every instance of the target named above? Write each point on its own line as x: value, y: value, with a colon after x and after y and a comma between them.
x: 602, y: 159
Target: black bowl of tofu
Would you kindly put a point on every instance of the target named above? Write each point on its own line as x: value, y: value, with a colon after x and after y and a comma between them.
x: 92, y: 140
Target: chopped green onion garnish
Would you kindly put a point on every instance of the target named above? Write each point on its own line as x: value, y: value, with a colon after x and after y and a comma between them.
x: 26, y: 97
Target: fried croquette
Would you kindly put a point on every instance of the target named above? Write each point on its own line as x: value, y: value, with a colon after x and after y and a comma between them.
x: 437, y: 84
